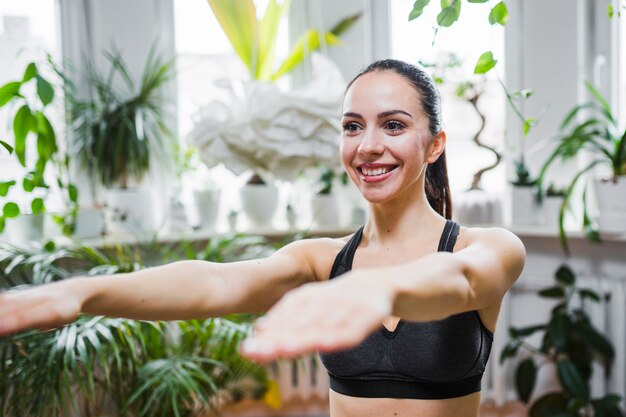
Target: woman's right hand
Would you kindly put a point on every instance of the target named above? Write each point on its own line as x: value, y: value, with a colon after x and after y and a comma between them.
x: 41, y: 307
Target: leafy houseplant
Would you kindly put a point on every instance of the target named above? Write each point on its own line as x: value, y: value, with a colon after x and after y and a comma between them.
x: 599, y: 135
x: 115, y: 134
x: 31, y: 120
x: 185, y: 368
x: 571, y: 343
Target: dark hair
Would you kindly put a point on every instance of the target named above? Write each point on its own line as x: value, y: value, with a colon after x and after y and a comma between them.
x: 436, y: 183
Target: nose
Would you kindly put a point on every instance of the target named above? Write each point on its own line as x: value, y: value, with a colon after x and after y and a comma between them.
x: 372, y: 142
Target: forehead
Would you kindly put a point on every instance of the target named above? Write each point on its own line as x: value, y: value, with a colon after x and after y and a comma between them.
x: 380, y: 91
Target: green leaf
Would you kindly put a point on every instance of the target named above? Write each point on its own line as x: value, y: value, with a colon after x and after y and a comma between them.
x: 450, y: 12
x: 595, y: 340
x: 345, y: 24
x: 509, y: 351
x: 44, y: 90
x: 2, y: 224
x: 50, y: 246
x: 10, y: 210
x: 7, y: 146
x: 558, y: 328
x: 600, y: 99
x: 21, y: 126
x: 5, y: 186
x: 307, y: 43
x: 37, y: 205
x: 552, y: 292
x: 418, y: 9
x: 28, y: 183
x: 548, y: 405
x: 8, y: 91
x: 73, y: 193
x: 525, y: 378
x: 525, y: 331
x: 485, y: 63
x: 587, y: 293
x: 238, y: 21
x: 31, y: 71
x: 609, y: 10
x: 565, y: 275
x: 572, y: 380
x: 499, y: 14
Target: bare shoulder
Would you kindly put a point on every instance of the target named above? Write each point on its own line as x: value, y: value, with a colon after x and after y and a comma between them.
x: 319, y: 253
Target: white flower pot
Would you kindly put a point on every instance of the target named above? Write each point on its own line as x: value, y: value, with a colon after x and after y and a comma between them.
x: 207, y: 204
x: 25, y: 229
x: 551, y: 206
x: 477, y: 207
x: 525, y: 211
x: 259, y: 203
x: 611, y: 198
x: 89, y: 223
x: 129, y: 211
x: 177, y: 217
x: 325, y: 210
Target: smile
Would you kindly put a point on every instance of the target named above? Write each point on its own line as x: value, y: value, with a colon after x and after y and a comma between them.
x: 375, y: 174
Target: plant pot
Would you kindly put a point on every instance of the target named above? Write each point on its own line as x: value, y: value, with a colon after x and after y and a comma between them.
x: 525, y: 211
x: 177, y: 217
x: 259, y: 203
x: 477, y: 207
x: 325, y: 210
x: 611, y: 198
x: 207, y: 203
x: 129, y: 211
x: 25, y: 229
x: 551, y: 206
x: 89, y: 223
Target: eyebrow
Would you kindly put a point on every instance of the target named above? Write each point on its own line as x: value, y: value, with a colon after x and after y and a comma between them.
x: 380, y: 115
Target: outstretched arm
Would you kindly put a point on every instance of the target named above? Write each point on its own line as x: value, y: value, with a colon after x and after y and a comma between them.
x: 180, y: 290
x: 339, y: 314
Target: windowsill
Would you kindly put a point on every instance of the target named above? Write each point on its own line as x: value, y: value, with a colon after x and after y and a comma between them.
x: 280, y: 233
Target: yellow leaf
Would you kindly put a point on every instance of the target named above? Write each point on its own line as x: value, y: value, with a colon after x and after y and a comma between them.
x: 272, y: 395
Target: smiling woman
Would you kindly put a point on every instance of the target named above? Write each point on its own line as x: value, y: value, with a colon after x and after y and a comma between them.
x: 407, y: 328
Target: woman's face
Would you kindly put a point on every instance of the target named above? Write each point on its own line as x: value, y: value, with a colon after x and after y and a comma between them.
x: 385, y: 141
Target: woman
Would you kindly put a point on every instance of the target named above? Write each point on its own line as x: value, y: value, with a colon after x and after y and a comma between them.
x: 406, y: 330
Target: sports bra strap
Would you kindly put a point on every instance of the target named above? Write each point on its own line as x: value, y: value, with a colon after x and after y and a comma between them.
x: 448, y: 237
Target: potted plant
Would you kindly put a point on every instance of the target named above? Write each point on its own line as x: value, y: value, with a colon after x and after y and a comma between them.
x: 551, y: 205
x: 121, y: 367
x: 117, y: 135
x: 273, y: 133
x: 36, y: 149
x: 598, y: 134
x: 325, y: 203
x: 571, y: 344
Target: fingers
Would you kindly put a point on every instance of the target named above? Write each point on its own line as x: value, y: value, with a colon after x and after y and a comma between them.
x: 20, y: 311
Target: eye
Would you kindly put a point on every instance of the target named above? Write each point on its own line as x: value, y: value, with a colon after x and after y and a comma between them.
x: 351, y: 127
x: 394, y: 125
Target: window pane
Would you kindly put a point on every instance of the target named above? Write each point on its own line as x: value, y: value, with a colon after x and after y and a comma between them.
x: 413, y: 42
x: 28, y: 30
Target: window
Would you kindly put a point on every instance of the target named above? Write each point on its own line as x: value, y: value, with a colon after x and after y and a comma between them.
x: 413, y: 42
x: 28, y: 30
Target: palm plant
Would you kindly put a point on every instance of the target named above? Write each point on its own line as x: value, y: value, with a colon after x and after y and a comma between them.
x: 116, y: 135
x: 139, y: 368
x: 254, y: 40
x: 600, y: 136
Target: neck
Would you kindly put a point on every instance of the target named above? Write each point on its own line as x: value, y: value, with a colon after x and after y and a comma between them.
x: 397, y: 221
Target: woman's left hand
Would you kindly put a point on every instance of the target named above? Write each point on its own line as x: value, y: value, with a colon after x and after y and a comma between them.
x: 326, y: 316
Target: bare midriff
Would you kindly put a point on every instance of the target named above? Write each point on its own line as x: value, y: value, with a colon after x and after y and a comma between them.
x: 346, y: 406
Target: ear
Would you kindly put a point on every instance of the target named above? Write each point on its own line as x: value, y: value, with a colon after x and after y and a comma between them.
x: 437, y: 147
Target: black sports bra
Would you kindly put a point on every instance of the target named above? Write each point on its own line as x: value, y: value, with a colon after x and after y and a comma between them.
x: 429, y: 360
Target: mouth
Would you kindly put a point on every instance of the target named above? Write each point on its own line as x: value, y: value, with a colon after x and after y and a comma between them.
x: 368, y: 174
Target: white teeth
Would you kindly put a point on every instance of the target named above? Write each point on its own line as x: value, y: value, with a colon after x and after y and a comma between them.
x: 379, y: 171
